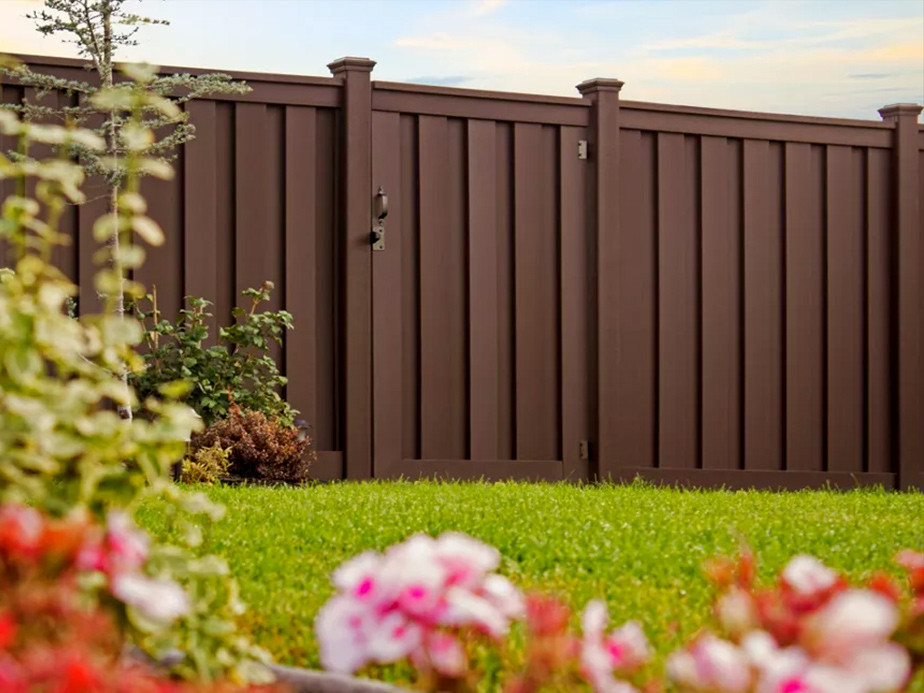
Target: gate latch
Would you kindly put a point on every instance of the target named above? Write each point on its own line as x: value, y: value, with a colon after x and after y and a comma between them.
x: 377, y: 237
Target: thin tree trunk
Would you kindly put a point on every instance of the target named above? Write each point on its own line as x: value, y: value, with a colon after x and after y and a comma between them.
x: 125, y: 410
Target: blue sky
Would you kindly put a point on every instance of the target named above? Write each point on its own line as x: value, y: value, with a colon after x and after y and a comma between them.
x: 817, y: 57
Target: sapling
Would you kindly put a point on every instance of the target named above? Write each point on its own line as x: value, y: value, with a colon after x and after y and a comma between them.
x: 99, y: 29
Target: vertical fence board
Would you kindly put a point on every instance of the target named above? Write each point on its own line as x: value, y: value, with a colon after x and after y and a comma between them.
x: 537, y: 294
x: 301, y: 260
x: 443, y: 401
x: 678, y: 259
x: 200, y: 209
x: 845, y: 199
x: 226, y: 205
x: 878, y: 310
x: 253, y: 197
x: 804, y: 309
x: 327, y: 321
x: 575, y: 419
x: 506, y: 408
x: 163, y: 266
x: 455, y: 218
x: 636, y: 363
x: 87, y: 214
x: 274, y: 224
x: 410, y: 289
x: 65, y: 256
x: 386, y: 298
x: 482, y: 282
x: 762, y: 325
x: 721, y: 396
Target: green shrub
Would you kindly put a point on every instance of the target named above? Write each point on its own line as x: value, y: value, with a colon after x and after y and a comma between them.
x: 206, y: 465
x: 237, y: 368
x: 260, y: 447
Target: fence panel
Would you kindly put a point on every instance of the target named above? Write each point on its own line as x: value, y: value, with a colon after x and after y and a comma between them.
x: 571, y: 288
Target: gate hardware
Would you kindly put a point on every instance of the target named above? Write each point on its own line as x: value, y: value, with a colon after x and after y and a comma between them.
x: 377, y: 237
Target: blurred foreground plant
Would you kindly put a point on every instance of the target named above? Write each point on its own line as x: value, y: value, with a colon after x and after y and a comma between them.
x: 63, y: 446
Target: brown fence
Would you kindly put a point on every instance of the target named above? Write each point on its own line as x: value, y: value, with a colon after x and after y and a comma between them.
x: 570, y: 288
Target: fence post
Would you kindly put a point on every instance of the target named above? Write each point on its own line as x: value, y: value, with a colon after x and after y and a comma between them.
x: 603, y: 141
x: 356, y: 279
x: 909, y: 263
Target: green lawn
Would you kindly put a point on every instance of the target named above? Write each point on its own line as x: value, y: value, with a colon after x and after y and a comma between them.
x: 638, y: 547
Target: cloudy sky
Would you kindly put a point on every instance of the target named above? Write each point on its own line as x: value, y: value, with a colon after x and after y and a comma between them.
x: 817, y: 57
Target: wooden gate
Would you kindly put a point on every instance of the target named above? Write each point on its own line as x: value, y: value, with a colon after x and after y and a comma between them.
x: 479, y: 293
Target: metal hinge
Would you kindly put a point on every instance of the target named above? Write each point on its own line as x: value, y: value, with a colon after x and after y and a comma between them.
x: 584, y: 450
x: 582, y: 149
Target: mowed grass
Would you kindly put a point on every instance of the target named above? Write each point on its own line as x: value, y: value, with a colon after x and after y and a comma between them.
x: 640, y: 548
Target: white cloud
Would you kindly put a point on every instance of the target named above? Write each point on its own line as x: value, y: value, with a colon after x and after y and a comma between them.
x: 812, y: 69
x: 483, y: 7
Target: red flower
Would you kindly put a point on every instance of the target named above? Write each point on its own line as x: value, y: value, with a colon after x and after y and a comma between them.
x: 546, y: 616
x: 8, y: 630
x: 885, y: 585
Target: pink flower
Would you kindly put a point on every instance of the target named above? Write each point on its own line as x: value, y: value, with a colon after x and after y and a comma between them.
x: 807, y: 576
x: 466, y: 560
x: 392, y: 637
x: 124, y: 548
x: 710, y: 664
x: 391, y: 606
x: 162, y: 601
x: 445, y: 654
x: 357, y: 577
x: 880, y: 669
x: 852, y: 621
x: 623, y: 651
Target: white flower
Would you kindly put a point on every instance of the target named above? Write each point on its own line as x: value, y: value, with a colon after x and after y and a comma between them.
x: 736, y: 611
x: 881, y: 669
x: 807, y: 576
x: 162, y: 601
x: 467, y: 609
x: 505, y: 597
x: 852, y: 621
x: 340, y: 629
x: 711, y: 664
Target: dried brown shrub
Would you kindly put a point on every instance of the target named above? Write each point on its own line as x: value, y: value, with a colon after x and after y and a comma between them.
x: 261, y: 448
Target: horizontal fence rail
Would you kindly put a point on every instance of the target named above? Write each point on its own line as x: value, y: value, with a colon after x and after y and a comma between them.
x: 570, y: 288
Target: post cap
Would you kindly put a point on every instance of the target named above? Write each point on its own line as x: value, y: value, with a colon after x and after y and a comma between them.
x: 592, y: 86
x: 349, y: 64
x: 899, y: 109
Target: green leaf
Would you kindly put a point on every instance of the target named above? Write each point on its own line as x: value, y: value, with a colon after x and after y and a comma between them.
x: 105, y: 227
x: 148, y: 229
x: 22, y: 364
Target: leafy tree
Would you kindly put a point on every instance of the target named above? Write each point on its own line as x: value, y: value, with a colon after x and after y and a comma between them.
x: 99, y: 28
